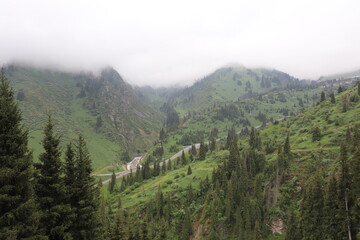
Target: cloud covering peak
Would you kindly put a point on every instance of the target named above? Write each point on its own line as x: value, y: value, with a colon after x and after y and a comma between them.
x: 165, y: 42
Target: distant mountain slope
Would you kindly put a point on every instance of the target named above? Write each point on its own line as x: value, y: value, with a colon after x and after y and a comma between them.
x: 229, y: 84
x: 104, y: 108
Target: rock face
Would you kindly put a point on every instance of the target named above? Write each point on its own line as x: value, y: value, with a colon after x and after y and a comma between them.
x: 133, y: 118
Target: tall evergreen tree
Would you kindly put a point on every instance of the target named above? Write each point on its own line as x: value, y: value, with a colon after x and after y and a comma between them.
x: 19, y: 217
x: 189, y: 172
x: 312, y: 224
x: 187, y: 230
x: 344, y: 187
x: 332, y: 98
x: 113, y: 181
x: 322, y: 97
x: 50, y: 189
x: 86, y: 224
x: 331, y: 210
x: 202, y: 151
x: 287, y: 145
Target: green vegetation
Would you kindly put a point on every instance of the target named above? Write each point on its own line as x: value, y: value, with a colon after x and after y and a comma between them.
x: 287, y: 163
x: 83, y: 103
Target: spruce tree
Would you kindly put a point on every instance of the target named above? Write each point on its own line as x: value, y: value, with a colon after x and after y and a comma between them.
x: 50, y: 189
x: 86, y: 224
x: 187, y: 230
x: 189, y: 172
x: 70, y: 174
x: 355, y: 191
x: 312, y: 224
x: 287, y: 150
x: 113, y: 181
x: 202, y: 151
x: 344, y: 187
x: 322, y: 97
x: 183, y: 159
x: 332, y: 97
x: 331, y: 210
x: 19, y: 216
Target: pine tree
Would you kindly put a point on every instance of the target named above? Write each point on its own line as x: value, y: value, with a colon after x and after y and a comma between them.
x: 86, y: 224
x: 19, y: 216
x: 202, y: 152
x: 312, y: 224
x: 113, y: 181
x: 322, y: 97
x: 316, y: 134
x: 193, y: 150
x: 183, y: 159
x: 50, y: 189
x: 212, y: 144
x: 287, y: 150
x: 331, y: 210
x: 344, y: 187
x: 332, y: 97
x: 189, y: 172
x: 187, y: 230
x: 354, y: 165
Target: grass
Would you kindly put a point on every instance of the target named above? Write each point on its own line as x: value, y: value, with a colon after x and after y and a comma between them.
x: 172, y: 181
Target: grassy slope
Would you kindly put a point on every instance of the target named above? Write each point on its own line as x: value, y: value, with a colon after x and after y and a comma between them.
x: 224, y: 85
x: 204, y: 121
x: 56, y: 92
x: 309, y: 156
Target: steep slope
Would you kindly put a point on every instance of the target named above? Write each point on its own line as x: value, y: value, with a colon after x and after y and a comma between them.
x: 264, y: 183
x: 104, y: 108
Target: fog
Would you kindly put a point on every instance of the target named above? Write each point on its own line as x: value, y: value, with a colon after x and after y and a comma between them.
x: 162, y: 43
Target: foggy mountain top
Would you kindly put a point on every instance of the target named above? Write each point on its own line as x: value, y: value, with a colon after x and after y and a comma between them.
x: 162, y: 43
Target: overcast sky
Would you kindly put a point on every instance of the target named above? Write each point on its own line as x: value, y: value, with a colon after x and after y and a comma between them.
x: 166, y: 42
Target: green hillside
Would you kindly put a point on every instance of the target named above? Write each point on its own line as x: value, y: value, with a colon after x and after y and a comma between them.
x: 105, y: 109
x: 262, y: 185
x: 229, y: 84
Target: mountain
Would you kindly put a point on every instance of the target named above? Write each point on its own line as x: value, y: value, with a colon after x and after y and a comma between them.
x: 104, y: 108
x: 229, y: 84
x: 295, y: 179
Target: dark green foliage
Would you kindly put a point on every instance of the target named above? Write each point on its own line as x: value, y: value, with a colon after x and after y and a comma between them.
x: 322, y: 97
x: 183, y: 158
x: 202, y: 151
x: 287, y: 150
x: 316, y: 134
x: 189, y: 172
x: 212, y: 144
x: 113, y: 182
x: 50, y: 189
x: 85, y: 196
x: 193, y: 150
x: 125, y: 157
x: 229, y: 112
x: 162, y: 135
x: 172, y: 119
x: 186, y: 230
x: 255, y: 139
x: 332, y: 98
x: 19, y: 216
x: 358, y: 88
x: 312, y: 214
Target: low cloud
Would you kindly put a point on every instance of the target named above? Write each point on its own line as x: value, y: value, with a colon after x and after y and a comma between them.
x: 166, y: 42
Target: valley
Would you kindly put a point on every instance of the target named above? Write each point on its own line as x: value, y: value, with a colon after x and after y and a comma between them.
x: 234, y: 166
